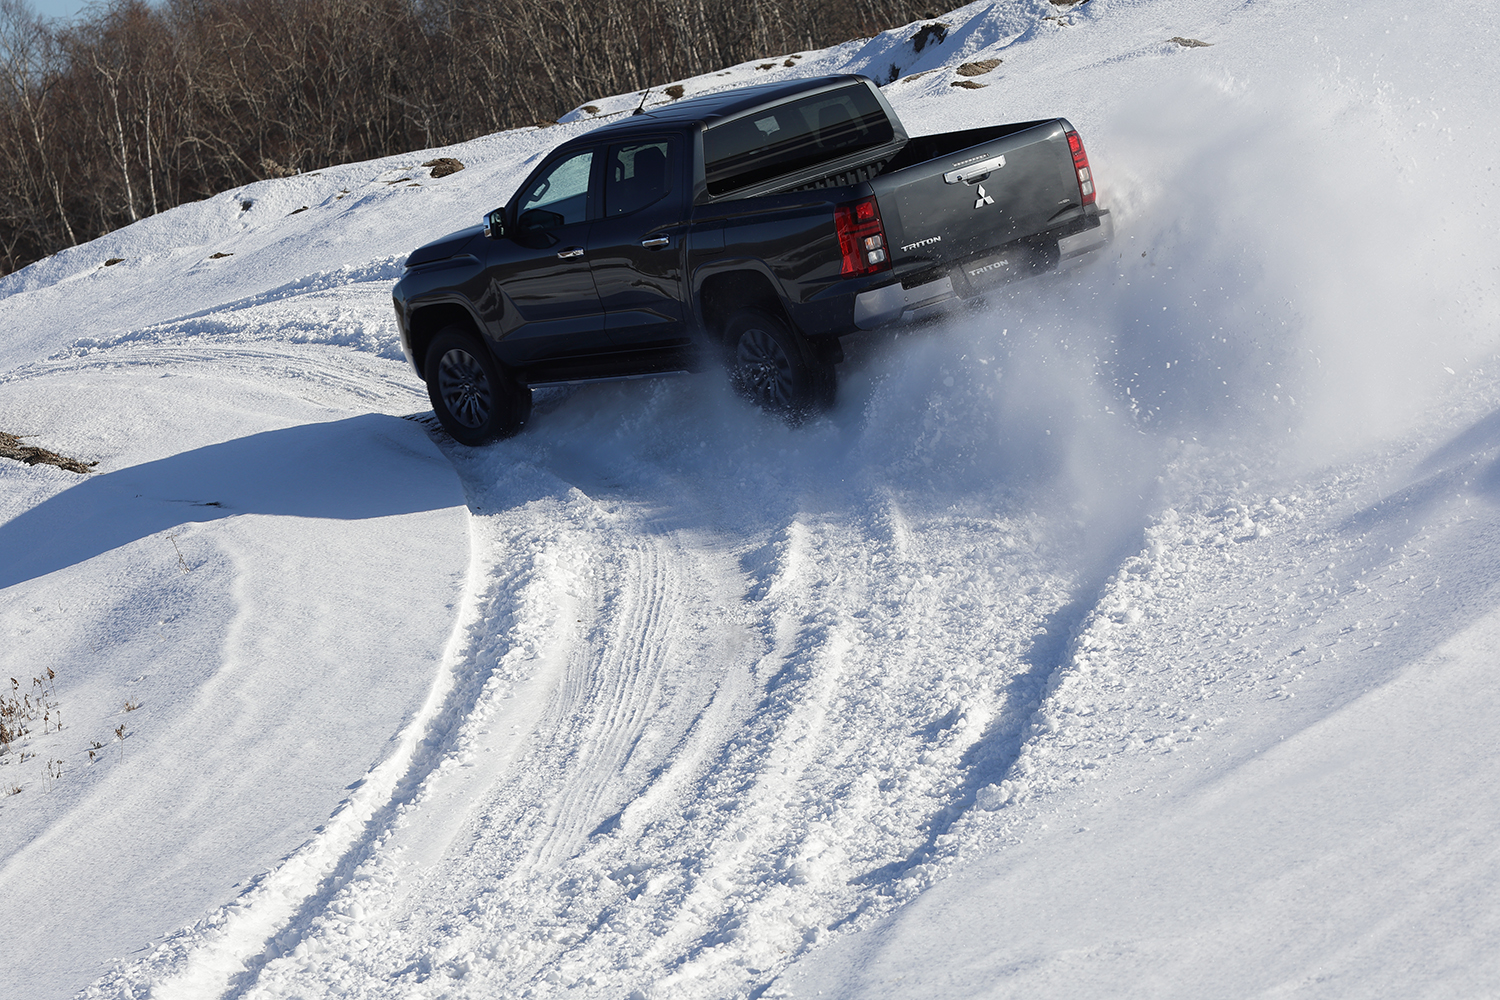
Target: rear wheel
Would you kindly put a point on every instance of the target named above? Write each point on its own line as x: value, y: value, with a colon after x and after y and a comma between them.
x: 771, y: 367
x: 473, y: 398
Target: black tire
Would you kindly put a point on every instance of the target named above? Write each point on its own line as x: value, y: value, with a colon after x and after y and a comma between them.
x: 772, y: 368
x: 475, y: 401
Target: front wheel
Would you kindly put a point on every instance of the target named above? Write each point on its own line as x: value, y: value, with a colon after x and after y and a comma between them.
x: 475, y: 401
x: 769, y: 366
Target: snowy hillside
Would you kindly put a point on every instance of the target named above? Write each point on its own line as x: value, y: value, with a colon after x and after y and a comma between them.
x: 1132, y: 635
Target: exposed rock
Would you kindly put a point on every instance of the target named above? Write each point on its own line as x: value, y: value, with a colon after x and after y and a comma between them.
x: 936, y: 31
x: 443, y: 166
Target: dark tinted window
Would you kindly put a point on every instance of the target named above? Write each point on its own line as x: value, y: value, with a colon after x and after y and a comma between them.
x: 792, y: 136
x: 636, y: 175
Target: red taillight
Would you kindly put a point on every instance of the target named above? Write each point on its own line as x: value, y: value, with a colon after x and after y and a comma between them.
x: 861, y: 238
x: 1081, y: 165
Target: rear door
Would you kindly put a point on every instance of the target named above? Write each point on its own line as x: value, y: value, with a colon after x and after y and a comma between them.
x: 542, y: 306
x: 635, y: 249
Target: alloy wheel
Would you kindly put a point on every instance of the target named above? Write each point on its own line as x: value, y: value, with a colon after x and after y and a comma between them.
x: 465, y: 388
x: 763, y: 370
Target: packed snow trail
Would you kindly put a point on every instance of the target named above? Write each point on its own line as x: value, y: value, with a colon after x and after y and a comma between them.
x: 676, y: 677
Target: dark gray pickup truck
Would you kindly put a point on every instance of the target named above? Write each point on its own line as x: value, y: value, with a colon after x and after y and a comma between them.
x: 751, y: 228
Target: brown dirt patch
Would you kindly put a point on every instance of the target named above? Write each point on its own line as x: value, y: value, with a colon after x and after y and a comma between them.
x: 978, y: 68
x: 11, y: 447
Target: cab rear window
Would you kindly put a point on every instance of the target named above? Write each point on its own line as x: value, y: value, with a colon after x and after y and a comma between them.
x: 793, y: 136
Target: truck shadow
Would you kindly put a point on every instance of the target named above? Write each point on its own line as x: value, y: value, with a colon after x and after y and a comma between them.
x: 368, y: 466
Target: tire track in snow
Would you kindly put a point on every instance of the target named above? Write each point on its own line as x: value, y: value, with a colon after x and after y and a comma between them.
x: 220, y: 955
x: 606, y: 705
x: 319, y: 367
x: 639, y: 692
x: 223, y: 954
x: 647, y: 790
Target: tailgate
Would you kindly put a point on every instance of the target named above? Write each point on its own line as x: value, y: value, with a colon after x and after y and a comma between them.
x: 953, y: 207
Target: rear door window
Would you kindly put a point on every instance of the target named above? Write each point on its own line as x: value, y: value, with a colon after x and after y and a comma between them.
x: 636, y: 175
x: 793, y: 136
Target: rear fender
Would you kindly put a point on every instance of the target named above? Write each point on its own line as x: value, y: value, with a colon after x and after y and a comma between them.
x: 726, y: 287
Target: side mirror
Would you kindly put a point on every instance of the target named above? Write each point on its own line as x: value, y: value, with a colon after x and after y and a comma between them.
x: 494, y: 223
x: 536, y: 220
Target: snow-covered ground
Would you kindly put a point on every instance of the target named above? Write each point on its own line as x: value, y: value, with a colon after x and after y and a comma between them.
x: 1132, y: 635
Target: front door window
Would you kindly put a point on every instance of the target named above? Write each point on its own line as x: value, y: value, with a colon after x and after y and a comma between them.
x: 559, y: 198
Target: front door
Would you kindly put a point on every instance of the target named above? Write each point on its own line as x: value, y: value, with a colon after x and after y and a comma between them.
x: 636, y: 246
x: 543, y: 308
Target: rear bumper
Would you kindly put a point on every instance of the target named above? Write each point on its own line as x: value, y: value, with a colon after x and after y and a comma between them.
x: 1089, y: 240
x: 882, y: 306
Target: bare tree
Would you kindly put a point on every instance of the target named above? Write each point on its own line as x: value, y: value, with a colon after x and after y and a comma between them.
x: 29, y: 73
x: 141, y: 106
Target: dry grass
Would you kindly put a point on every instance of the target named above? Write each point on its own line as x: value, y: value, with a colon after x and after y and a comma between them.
x: 11, y: 447
x: 20, y: 708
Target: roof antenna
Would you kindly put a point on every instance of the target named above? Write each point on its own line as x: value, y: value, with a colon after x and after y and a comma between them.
x: 641, y: 108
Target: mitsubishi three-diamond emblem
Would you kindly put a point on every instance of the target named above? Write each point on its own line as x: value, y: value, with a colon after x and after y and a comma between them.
x: 983, y: 198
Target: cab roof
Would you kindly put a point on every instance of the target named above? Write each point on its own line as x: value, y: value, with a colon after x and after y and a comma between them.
x: 707, y: 109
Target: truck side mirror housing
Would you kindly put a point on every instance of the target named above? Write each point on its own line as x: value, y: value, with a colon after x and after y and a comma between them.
x: 494, y: 223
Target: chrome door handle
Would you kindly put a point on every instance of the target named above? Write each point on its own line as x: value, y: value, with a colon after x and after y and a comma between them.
x: 652, y: 242
x: 973, y: 170
x: 570, y: 252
